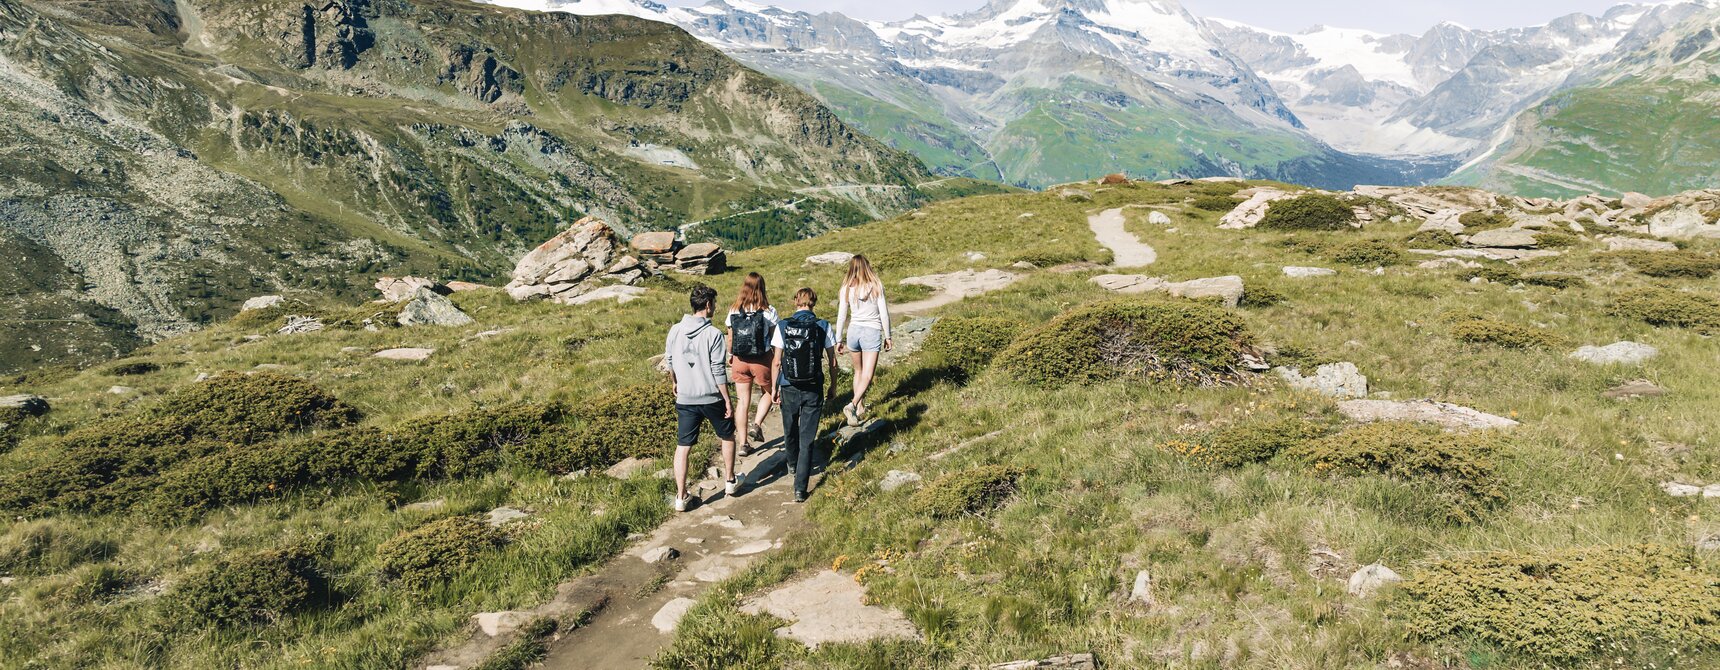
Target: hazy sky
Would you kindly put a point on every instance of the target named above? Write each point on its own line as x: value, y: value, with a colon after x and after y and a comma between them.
x: 1386, y: 16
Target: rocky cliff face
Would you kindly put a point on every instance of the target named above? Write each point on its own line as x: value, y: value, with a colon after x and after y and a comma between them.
x: 166, y: 160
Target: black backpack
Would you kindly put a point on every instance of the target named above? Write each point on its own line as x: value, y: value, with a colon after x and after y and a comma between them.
x: 802, y: 348
x: 752, y: 334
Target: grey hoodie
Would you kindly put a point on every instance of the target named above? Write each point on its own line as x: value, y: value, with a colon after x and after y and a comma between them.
x: 698, y: 353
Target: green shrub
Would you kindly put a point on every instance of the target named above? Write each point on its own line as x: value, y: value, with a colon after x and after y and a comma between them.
x: 1308, y: 212
x: 1048, y: 256
x: 1474, y: 222
x: 27, y: 410
x: 1215, y: 203
x: 245, y: 408
x: 1367, y: 253
x: 1308, y: 245
x: 969, y: 343
x: 84, y: 585
x: 1458, y: 467
x: 1482, y: 330
x: 1667, y: 307
x: 1554, y: 280
x: 1244, y: 443
x: 49, y: 546
x: 1260, y: 294
x: 1432, y: 239
x: 1150, y: 339
x: 1569, y: 605
x: 636, y: 421
x: 1556, y: 239
x: 1669, y: 264
x: 973, y: 491
x: 132, y: 368
x: 436, y: 551
x: 254, y: 588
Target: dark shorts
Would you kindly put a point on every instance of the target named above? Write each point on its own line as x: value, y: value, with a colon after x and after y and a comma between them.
x: 688, y: 418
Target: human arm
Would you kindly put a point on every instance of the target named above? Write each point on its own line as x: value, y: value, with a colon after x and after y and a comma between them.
x: 830, y: 395
x: 841, y: 316
x: 884, y: 315
x: 669, y: 360
x: 776, y: 373
x: 720, y: 373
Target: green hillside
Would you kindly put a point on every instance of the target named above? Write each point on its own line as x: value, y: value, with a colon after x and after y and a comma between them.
x: 1055, y: 468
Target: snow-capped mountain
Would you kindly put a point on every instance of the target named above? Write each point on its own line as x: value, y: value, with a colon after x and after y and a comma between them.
x: 1040, y: 91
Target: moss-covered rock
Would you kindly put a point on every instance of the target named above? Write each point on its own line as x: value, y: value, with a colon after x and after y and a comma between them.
x: 1567, y: 606
x: 1155, y: 340
x: 972, y: 491
x: 1309, y: 212
x: 436, y: 551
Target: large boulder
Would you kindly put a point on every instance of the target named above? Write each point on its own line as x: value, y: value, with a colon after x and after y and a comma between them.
x: 262, y: 302
x: 1686, y: 220
x: 830, y: 258
x: 1442, y: 414
x: 654, y: 243
x: 704, y: 258
x: 584, y: 258
x: 428, y: 308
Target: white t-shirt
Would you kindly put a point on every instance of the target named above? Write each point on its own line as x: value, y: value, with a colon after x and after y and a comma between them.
x: 829, y: 335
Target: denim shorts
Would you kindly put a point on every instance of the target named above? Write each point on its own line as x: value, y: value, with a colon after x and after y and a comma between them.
x: 861, y: 338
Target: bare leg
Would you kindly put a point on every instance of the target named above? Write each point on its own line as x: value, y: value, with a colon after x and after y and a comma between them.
x: 681, y: 471
x: 859, y: 386
x: 765, y: 401
x: 863, y: 369
x: 728, y: 460
x: 742, y: 400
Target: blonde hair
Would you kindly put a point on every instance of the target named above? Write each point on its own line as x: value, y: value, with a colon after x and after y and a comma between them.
x: 752, y: 297
x: 862, y: 282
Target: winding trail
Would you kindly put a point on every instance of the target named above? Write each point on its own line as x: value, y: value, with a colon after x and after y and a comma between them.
x: 1127, y: 251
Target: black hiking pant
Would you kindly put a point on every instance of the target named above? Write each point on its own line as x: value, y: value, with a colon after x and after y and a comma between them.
x: 800, y: 414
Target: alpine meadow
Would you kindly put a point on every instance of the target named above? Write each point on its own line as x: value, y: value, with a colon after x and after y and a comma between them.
x: 1061, y: 334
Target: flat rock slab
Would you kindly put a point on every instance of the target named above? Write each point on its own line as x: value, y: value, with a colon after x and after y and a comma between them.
x: 1297, y: 272
x: 1639, y: 388
x: 502, y: 516
x: 405, y: 354
x: 1504, y: 238
x: 1229, y: 288
x: 1442, y: 414
x: 670, y: 615
x: 1617, y: 353
x: 956, y: 286
x: 261, y: 302
x: 1637, y: 244
x: 830, y: 258
x: 620, y: 293
x: 1333, y: 380
x: 501, y: 623
x: 830, y: 607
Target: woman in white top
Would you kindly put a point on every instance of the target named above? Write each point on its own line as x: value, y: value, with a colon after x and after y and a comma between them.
x: 867, y: 334
x: 752, y: 368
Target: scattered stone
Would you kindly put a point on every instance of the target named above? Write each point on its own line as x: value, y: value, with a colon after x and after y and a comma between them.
x: 660, y: 554
x: 299, y: 325
x: 620, y: 293
x: 396, y: 289
x: 405, y: 354
x: 629, y: 467
x: 1637, y: 244
x: 426, y: 505
x: 1142, y: 593
x: 1295, y: 272
x: 1442, y: 414
x: 1371, y: 578
x: 1333, y: 380
x: 495, y: 624
x: 1158, y: 218
x: 428, y: 308
x: 1681, y: 490
x: 1082, y: 661
x: 830, y: 258
x: 919, y: 325
x: 704, y: 258
x: 896, y: 479
x: 27, y: 404
x: 831, y: 607
x: 1617, y: 353
x: 847, y: 434
x: 1638, y: 388
x: 1023, y: 265
x: 974, y: 256
x: 669, y: 616
x: 270, y: 366
x: 502, y: 516
x: 120, y: 390
x: 1249, y: 213
x: 261, y: 302
x: 1503, y: 238
x: 490, y: 333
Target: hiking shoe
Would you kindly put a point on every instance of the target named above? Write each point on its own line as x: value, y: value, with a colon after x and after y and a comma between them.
x: 680, y: 504
x: 730, y: 487
x: 756, y: 432
x: 852, y: 415
x: 791, y: 468
x: 800, y: 497
x: 744, y: 450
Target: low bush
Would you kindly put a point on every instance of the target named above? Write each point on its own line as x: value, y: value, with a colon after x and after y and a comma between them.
x: 1366, y: 253
x: 1669, y: 264
x: 254, y: 588
x: 1667, y: 307
x: 245, y: 408
x: 1308, y: 212
x: 969, y: 344
x: 1215, y: 203
x: 1259, y: 294
x: 132, y: 368
x: 84, y: 585
x: 1244, y: 443
x: 1049, y: 256
x: 632, y: 421
x: 1482, y: 330
x: 49, y: 546
x: 1181, y: 341
x: 1432, y: 239
x: 973, y: 491
x: 1457, y: 467
x: 1556, y: 239
x: 436, y: 551
x: 1511, y: 276
x: 1477, y: 221
x: 1569, y: 606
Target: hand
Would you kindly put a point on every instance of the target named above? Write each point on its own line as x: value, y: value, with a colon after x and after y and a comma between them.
x: 889, y: 344
x: 841, y: 349
x: 728, y: 410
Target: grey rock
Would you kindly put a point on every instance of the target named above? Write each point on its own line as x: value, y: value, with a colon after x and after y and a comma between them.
x: 1082, y: 661
x: 1681, y: 490
x: 659, y: 554
x: 620, y: 293
x: 261, y: 302
x: 405, y: 354
x: 396, y: 289
x: 1372, y: 578
x: 298, y: 325
x: 1617, y: 353
x: 496, y: 624
x: 1503, y: 238
x: 1229, y: 288
x: 1442, y: 414
x: 1638, y: 388
x: 1296, y: 272
x: 1637, y: 244
x: 426, y: 505
x: 629, y: 467
x: 1250, y: 212
x: 502, y: 516
x: 1442, y: 263
x: 1142, y: 592
x: 896, y: 479
x: 1446, y: 220
x: 1334, y: 380
x: 28, y: 404
x: 1158, y: 218
x: 428, y: 308
x: 669, y: 616
x: 120, y: 390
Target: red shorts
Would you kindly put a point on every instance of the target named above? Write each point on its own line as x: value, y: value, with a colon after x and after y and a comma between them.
x: 751, y: 371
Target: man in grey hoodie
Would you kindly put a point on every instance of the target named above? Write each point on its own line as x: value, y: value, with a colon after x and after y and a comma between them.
x: 697, y: 353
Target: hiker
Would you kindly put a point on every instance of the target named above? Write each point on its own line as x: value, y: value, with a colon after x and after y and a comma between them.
x: 697, y: 354
x: 752, y: 330
x: 803, y: 342
x: 862, y: 300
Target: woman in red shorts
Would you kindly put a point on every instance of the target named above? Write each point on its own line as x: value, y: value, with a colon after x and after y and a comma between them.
x: 752, y: 330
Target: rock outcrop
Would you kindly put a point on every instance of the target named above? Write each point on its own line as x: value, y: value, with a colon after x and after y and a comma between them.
x: 1442, y: 414
x: 1335, y: 380
x: 1227, y: 289
x: 1250, y: 212
x: 582, y: 259
x: 396, y: 289
x: 1617, y: 353
x: 704, y: 258
x: 428, y: 308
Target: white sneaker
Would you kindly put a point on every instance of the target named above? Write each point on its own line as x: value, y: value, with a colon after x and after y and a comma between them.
x: 730, y: 486
x: 680, y: 504
x: 851, y: 415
